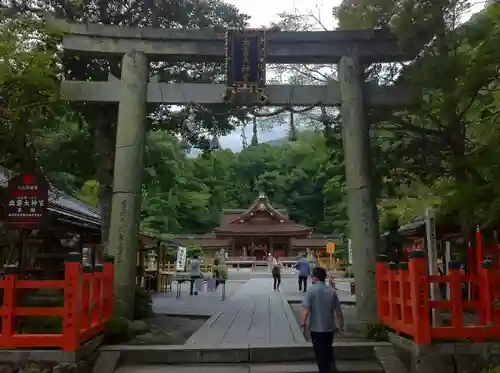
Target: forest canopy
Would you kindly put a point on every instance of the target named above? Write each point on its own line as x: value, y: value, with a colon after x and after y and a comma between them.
x: 442, y: 152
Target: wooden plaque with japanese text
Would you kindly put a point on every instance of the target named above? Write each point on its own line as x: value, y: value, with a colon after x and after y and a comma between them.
x: 26, y: 201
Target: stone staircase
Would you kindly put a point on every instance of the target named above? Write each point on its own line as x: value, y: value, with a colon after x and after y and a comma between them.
x: 351, y: 357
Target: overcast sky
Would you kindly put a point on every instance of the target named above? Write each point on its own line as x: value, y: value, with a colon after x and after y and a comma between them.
x: 263, y: 13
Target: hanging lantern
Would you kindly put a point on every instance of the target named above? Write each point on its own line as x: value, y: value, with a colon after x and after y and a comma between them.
x: 214, y: 142
x: 292, y: 134
x: 184, y: 143
x: 190, y: 120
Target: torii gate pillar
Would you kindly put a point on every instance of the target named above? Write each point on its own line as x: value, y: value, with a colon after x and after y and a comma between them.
x: 127, y: 179
x: 362, y: 209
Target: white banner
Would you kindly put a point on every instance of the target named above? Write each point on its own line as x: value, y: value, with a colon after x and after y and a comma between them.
x: 180, y: 264
x: 349, y: 251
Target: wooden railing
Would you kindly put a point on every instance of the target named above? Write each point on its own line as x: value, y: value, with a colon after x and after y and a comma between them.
x: 88, y: 305
x: 404, y: 303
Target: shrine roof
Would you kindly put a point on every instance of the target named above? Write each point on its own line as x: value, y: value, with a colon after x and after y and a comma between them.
x: 205, y: 240
x: 229, y: 215
x: 277, y: 222
x: 265, y: 228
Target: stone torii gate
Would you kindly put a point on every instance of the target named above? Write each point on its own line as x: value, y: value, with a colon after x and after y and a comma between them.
x: 352, y: 50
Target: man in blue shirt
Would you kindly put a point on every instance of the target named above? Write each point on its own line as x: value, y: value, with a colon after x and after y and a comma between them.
x: 320, y: 306
x: 304, y: 267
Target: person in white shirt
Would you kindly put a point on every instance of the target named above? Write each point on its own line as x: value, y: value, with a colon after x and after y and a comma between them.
x: 276, y: 271
x: 270, y: 262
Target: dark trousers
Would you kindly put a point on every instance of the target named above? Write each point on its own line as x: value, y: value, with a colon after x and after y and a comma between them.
x: 276, y: 280
x: 323, y: 350
x: 302, y: 281
x: 191, y: 283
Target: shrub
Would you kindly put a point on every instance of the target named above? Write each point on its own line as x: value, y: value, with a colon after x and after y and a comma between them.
x: 143, y: 306
x: 492, y: 370
x: 118, y: 330
x: 377, y: 332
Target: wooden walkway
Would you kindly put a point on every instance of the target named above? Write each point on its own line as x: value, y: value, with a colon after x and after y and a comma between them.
x: 255, y: 314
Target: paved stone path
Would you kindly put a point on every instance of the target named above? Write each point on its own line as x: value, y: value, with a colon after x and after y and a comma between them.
x: 204, y: 304
x: 255, y: 314
x: 207, y: 304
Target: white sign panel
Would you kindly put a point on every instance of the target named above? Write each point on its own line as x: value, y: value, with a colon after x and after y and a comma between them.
x: 180, y: 264
x: 349, y: 251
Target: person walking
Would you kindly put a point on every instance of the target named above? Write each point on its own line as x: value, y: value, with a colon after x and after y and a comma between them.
x: 276, y: 272
x: 320, y: 306
x: 304, y: 268
x: 195, y: 274
x: 270, y: 260
x: 216, y: 272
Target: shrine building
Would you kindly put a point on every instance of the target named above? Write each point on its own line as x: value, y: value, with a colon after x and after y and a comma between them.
x: 257, y: 231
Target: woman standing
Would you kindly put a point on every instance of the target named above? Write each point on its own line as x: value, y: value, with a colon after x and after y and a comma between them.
x: 276, y: 271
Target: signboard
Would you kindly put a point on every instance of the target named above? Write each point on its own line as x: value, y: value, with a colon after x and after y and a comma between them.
x: 180, y: 264
x: 246, y: 58
x: 330, y: 247
x: 26, y: 202
x: 349, y: 251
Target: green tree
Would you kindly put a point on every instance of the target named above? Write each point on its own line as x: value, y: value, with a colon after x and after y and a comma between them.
x: 29, y: 81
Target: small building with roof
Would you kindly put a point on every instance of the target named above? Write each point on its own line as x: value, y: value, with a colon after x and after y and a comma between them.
x: 257, y: 231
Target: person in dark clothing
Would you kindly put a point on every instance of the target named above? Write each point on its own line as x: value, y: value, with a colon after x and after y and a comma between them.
x: 276, y: 271
x: 216, y: 273
x: 320, y: 306
x: 304, y: 268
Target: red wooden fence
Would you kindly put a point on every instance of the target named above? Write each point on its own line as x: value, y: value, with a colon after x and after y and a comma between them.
x: 404, y: 304
x: 88, y: 301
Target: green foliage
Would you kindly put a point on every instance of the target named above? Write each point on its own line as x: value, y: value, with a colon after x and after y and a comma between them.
x: 491, y: 370
x: 89, y: 193
x: 183, y: 195
x: 376, y: 332
x: 118, y: 330
x: 193, y: 251
x: 442, y: 152
x: 143, y: 306
x: 29, y: 86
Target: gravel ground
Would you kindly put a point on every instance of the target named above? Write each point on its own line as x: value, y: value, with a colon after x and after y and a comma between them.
x: 169, y: 330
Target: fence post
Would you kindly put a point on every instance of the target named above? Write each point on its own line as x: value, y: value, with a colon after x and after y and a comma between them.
x: 381, y: 275
x: 456, y: 295
x: 487, y: 293
x: 419, y: 292
x: 108, y: 293
x: 86, y: 306
x: 72, y: 295
x: 393, y: 292
x: 403, y: 286
x: 97, y: 297
x: 479, y: 251
x: 9, y: 303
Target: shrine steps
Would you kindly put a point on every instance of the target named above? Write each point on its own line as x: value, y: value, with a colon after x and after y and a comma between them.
x: 351, y: 357
x: 297, y: 367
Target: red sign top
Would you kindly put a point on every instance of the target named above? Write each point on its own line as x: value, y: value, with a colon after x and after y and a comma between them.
x: 26, y: 201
